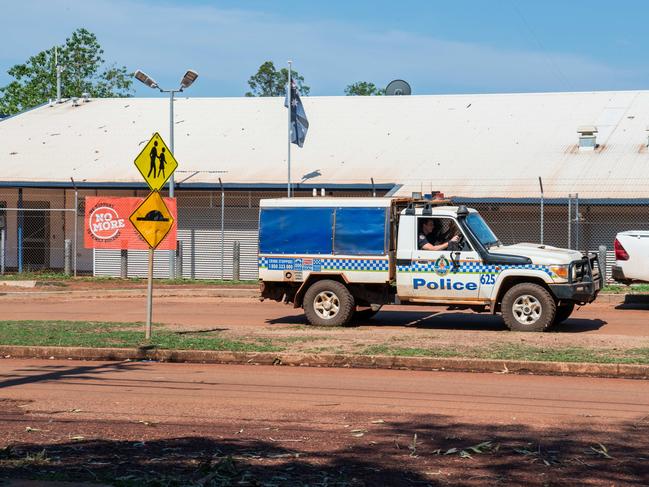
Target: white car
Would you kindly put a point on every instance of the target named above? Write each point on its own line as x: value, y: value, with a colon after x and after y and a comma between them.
x: 631, y: 257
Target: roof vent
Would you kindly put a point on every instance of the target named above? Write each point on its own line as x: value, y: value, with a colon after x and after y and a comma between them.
x: 587, y: 137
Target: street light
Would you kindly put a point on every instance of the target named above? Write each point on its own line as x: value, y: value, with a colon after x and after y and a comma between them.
x: 186, y: 82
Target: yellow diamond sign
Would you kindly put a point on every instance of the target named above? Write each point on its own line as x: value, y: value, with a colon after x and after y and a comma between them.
x: 152, y: 219
x: 156, y: 163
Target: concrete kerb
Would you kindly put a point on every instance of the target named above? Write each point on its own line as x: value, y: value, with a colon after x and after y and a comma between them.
x: 622, y: 371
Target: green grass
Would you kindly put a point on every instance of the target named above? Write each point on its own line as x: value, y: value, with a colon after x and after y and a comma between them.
x: 519, y: 352
x: 119, y: 335
x: 622, y: 289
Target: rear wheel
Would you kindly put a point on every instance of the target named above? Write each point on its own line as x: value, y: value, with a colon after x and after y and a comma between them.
x: 528, y: 307
x: 328, y: 303
x: 563, y: 312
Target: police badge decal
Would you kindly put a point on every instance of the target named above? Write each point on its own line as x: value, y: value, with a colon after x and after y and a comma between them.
x: 442, y: 266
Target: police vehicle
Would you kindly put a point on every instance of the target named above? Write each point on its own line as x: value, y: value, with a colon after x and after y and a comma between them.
x: 342, y: 259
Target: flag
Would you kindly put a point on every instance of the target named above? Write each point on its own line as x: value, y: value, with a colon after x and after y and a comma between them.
x: 299, y: 122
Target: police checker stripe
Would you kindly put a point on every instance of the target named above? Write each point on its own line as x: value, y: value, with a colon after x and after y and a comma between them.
x: 473, y: 268
x: 323, y: 264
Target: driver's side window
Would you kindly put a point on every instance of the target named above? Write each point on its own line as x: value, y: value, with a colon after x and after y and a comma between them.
x: 440, y: 234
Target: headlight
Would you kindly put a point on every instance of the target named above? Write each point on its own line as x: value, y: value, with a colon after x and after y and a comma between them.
x: 560, y: 271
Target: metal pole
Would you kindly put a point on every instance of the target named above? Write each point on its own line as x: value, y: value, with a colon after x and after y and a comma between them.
x: 179, y: 263
x: 542, y: 215
x: 2, y: 251
x: 149, y: 298
x: 577, y: 221
x: 67, y: 246
x: 58, y: 75
x: 569, y: 221
x: 172, y: 253
x: 123, y: 268
x: 222, y: 227
x: 373, y: 188
x: 602, y: 262
x: 76, y: 224
x: 21, y: 223
x: 290, y: 108
x: 236, y: 261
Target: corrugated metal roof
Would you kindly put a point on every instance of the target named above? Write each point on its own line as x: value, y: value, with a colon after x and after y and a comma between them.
x: 467, y: 145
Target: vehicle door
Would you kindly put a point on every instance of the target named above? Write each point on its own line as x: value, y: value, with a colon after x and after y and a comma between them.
x: 448, y: 275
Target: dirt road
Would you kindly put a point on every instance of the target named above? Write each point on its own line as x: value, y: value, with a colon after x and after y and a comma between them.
x: 319, y: 426
x: 597, y: 318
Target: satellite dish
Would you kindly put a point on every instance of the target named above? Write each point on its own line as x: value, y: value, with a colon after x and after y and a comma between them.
x: 397, y: 87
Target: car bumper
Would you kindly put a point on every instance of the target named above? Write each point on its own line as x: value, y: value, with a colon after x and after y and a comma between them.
x: 580, y: 292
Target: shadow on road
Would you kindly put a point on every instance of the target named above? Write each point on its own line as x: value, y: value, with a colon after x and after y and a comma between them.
x: 425, y: 450
x: 51, y: 373
x: 446, y: 320
x: 635, y: 301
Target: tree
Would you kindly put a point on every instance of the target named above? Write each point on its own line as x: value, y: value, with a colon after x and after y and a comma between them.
x: 83, y: 72
x: 363, y: 88
x: 268, y: 81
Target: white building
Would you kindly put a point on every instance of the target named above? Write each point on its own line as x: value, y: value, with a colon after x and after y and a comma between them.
x: 487, y: 150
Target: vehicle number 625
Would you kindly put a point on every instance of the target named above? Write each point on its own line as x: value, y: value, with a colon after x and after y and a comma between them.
x: 488, y: 279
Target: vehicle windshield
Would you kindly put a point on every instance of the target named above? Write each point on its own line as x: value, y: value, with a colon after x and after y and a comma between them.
x: 481, y: 230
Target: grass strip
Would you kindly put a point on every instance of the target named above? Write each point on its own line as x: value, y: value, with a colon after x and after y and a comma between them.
x: 621, y: 289
x: 120, y: 335
x: 639, y: 356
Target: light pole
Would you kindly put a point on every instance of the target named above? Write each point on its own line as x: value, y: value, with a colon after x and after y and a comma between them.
x: 186, y: 82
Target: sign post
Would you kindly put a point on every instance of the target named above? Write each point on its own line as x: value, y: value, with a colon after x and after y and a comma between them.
x: 152, y: 219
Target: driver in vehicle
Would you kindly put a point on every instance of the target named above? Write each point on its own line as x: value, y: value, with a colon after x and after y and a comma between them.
x: 429, y: 238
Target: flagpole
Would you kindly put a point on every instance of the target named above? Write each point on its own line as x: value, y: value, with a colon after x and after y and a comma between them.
x: 290, y: 108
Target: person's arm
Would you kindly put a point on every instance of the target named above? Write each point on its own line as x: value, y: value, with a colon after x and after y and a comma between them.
x: 442, y: 246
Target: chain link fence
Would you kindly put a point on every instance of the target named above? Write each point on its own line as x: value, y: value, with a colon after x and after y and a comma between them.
x: 217, y: 229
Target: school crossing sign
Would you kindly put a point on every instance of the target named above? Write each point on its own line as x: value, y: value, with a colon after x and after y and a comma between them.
x: 156, y: 163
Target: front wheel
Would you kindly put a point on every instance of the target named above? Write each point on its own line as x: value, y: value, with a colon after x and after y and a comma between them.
x: 528, y: 307
x: 563, y: 313
x: 328, y: 303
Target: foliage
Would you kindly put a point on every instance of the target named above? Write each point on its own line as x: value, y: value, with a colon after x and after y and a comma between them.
x: 268, y: 81
x: 83, y: 71
x: 364, y: 88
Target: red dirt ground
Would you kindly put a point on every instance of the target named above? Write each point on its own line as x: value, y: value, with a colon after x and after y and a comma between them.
x: 245, y: 425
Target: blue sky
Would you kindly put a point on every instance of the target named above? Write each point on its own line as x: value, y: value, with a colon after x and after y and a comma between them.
x: 438, y: 46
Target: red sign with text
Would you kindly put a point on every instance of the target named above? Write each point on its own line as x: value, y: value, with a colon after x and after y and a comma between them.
x: 107, y: 224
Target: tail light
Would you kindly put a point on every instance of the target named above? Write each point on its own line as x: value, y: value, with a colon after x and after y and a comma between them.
x: 620, y: 252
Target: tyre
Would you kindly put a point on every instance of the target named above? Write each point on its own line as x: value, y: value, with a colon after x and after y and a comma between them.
x: 528, y: 307
x: 364, y: 314
x: 563, y: 312
x: 328, y: 303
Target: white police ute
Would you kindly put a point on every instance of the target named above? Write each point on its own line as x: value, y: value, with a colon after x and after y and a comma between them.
x: 342, y: 259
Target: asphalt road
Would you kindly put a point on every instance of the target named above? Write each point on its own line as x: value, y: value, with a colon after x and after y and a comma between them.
x: 596, y: 318
x: 388, y: 423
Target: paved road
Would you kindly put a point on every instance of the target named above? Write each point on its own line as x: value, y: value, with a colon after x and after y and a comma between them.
x: 597, y: 318
x: 332, y: 416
